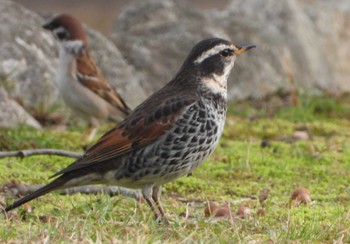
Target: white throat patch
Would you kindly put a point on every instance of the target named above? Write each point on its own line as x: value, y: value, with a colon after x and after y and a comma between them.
x: 215, y: 86
x: 73, y: 47
x: 218, y: 83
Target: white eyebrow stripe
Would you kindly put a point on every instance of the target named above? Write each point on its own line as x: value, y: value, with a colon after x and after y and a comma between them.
x: 211, y: 52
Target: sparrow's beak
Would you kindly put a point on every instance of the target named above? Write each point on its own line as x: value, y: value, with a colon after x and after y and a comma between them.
x: 243, y: 49
x: 47, y: 26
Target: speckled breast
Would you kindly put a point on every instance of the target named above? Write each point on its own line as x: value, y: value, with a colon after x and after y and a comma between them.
x: 183, y: 148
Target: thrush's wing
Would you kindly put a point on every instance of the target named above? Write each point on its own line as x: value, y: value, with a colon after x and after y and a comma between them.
x: 141, y: 128
x: 89, y: 75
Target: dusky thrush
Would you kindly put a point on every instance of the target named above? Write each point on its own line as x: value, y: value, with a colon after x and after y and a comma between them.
x: 165, y: 137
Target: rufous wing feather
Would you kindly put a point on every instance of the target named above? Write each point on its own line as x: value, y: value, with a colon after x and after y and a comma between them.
x: 89, y: 75
x: 135, y: 132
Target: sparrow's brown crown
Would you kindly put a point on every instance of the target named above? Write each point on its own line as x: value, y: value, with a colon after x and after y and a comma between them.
x: 66, y: 27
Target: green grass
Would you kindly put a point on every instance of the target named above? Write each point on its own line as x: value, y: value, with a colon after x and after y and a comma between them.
x: 238, y: 171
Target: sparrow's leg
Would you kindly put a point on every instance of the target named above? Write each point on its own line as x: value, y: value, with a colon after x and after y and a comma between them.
x: 92, y: 134
x: 91, y: 130
x: 156, y: 193
x: 86, y: 133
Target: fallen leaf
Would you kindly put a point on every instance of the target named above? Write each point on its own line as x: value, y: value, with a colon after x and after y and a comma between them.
x: 300, y: 196
x: 243, y: 211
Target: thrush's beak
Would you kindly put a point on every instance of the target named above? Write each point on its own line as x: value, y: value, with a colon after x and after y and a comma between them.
x: 243, y: 49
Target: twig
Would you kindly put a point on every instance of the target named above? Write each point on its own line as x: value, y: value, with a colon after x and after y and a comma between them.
x: 14, y: 189
x: 110, y: 190
x: 44, y: 151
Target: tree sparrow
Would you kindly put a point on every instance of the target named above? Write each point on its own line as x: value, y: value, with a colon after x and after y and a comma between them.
x: 82, y: 85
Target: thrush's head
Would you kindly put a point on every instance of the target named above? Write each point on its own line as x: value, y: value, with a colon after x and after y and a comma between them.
x: 212, y: 60
x: 65, y: 27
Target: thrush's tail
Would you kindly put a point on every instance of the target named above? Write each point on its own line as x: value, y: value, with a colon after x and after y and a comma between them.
x: 54, y: 185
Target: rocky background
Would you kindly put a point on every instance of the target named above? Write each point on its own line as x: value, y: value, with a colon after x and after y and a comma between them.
x: 301, y: 44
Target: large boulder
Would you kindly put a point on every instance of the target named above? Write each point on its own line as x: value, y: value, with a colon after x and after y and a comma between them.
x: 114, y: 67
x: 12, y: 114
x: 156, y: 35
x: 289, y: 50
x: 331, y: 21
x: 26, y: 55
x: 298, y: 42
x: 28, y: 60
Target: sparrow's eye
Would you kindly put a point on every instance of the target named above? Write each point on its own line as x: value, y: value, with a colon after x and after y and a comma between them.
x: 61, y: 33
x: 226, y: 52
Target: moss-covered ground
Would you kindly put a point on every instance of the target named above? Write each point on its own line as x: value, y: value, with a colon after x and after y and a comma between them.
x: 276, y: 150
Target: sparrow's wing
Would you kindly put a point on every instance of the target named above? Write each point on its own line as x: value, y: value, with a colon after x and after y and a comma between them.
x: 140, y: 129
x: 89, y: 75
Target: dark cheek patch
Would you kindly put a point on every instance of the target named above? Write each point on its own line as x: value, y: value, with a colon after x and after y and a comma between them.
x: 213, y: 65
x: 61, y: 35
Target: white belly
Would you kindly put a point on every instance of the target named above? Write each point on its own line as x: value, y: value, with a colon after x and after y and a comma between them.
x: 79, y: 98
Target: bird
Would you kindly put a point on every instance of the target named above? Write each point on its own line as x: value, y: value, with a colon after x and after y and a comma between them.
x: 81, y: 83
x: 166, y: 137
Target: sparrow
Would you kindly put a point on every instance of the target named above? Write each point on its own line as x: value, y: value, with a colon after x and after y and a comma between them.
x: 81, y: 83
x: 166, y: 137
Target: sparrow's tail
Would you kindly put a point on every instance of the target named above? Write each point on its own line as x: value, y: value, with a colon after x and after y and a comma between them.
x: 54, y: 185
x: 124, y: 108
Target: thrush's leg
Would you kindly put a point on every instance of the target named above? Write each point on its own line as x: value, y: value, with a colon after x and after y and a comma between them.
x: 156, y: 193
x: 147, y: 194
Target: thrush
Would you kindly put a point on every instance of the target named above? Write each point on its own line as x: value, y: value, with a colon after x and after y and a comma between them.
x: 165, y: 137
x: 81, y: 83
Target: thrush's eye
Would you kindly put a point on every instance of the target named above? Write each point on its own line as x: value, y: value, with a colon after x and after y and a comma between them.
x: 226, y: 52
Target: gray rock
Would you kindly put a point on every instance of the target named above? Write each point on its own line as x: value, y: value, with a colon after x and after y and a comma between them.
x: 331, y: 20
x: 26, y: 55
x: 28, y: 60
x: 155, y: 36
x: 306, y: 41
x: 287, y: 46
x: 12, y: 114
x: 120, y: 74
